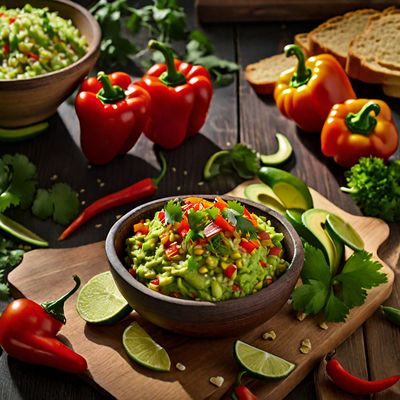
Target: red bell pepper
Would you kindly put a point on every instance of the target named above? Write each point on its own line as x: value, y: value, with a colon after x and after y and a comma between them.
x: 230, y: 271
x: 275, y: 251
x: 28, y: 332
x: 180, y: 96
x: 111, y: 116
x: 223, y: 223
x: 247, y: 245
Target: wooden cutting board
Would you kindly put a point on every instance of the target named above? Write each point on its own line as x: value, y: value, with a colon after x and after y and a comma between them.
x: 284, y: 10
x: 46, y: 274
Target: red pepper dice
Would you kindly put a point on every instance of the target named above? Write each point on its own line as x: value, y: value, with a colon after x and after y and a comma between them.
x: 28, y: 332
x: 180, y: 95
x: 111, y: 116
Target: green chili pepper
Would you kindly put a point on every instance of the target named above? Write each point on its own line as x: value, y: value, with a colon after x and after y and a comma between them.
x: 392, y: 313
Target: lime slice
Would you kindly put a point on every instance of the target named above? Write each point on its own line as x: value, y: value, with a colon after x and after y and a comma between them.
x: 20, y: 232
x: 345, y: 232
x: 214, y: 164
x: 17, y: 134
x: 284, y: 152
x: 144, y: 350
x: 261, y: 363
x: 100, y: 302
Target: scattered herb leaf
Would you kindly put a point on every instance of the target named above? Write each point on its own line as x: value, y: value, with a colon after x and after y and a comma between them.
x: 173, y: 212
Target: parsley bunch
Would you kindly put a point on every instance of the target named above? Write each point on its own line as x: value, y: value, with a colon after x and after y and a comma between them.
x: 375, y: 187
x: 18, y: 187
x: 123, y: 26
x: 335, y: 295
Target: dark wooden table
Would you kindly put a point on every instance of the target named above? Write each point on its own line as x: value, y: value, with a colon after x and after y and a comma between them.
x: 237, y: 115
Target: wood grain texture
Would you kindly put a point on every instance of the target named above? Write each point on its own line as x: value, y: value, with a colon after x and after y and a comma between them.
x: 102, y: 345
x: 286, y: 10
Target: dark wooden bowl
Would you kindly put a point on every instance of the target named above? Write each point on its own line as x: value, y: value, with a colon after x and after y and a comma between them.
x: 27, y: 101
x: 203, y: 318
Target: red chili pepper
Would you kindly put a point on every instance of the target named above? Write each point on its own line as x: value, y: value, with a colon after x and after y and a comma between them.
x: 111, y: 118
x: 180, y: 96
x: 230, y: 271
x: 351, y: 384
x: 28, y: 332
x: 240, y: 391
x: 264, y: 236
x: 139, y: 190
x: 223, y: 223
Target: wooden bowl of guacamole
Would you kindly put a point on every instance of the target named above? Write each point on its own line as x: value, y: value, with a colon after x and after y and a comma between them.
x: 205, y: 312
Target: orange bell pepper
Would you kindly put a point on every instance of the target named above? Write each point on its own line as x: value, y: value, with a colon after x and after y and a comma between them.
x: 351, y: 132
x: 306, y: 95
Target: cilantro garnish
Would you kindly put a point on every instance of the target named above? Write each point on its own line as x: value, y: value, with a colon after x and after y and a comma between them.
x: 335, y: 296
x: 236, y: 206
x: 212, y: 212
x: 197, y: 221
x: 173, y: 212
x: 217, y: 246
x: 59, y: 202
x: 233, y: 215
x: 246, y: 227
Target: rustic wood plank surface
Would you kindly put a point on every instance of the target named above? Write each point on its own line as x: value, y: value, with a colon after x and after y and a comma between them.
x: 237, y: 115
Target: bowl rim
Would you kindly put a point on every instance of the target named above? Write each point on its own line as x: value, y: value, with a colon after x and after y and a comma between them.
x: 93, y: 48
x: 117, y: 266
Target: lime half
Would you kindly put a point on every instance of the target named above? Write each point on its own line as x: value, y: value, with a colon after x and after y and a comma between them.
x: 144, y: 350
x: 20, y: 232
x: 344, y: 232
x: 100, y: 302
x: 261, y: 363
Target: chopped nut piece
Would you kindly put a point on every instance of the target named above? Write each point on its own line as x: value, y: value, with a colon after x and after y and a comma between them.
x: 118, y: 216
x: 101, y: 184
x: 301, y: 316
x: 98, y: 180
x: 185, y: 172
x: 201, y: 183
x: 178, y: 188
x: 82, y: 190
x: 83, y: 202
x: 217, y: 380
x: 180, y: 367
x: 305, y: 346
x: 323, y: 325
x: 289, y: 301
x: 98, y: 226
x: 271, y: 335
x: 54, y: 177
x: 173, y: 169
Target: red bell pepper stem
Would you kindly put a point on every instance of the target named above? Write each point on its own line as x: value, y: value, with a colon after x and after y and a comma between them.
x: 303, y: 74
x: 362, y: 122
x: 139, y: 190
x: 56, y: 307
x: 354, y: 385
x: 109, y: 93
x: 171, y: 77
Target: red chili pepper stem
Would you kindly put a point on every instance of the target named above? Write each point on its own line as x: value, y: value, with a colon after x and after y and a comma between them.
x: 56, y: 307
x: 171, y: 77
x: 362, y: 122
x: 303, y: 74
x: 109, y: 93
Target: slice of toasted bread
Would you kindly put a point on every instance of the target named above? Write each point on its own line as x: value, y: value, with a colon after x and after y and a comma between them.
x: 301, y: 39
x: 263, y: 74
x: 334, y: 35
x: 391, y: 90
x: 375, y: 54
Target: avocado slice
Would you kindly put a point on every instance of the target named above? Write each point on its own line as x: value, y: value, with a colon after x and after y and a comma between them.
x: 291, y: 190
x: 263, y: 194
x: 314, y: 220
x: 284, y: 152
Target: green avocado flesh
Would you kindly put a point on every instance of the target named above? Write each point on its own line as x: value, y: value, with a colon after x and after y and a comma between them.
x: 263, y: 194
x: 314, y: 220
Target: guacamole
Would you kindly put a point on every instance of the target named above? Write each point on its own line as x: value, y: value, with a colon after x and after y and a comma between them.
x: 35, y: 41
x: 201, y: 250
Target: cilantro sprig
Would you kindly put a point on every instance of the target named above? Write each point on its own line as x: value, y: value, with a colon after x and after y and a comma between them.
x: 234, y: 215
x: 173, y: 212
x: 335, y: 295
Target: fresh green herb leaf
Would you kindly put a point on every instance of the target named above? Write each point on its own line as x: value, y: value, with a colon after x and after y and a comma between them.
x: 212, y: 212
x: 236, y: 206
x: 197, y: 221
x: 23, y: 182
x: 43, y: 206
x: 4, y: 291
x: 173, y: 212
x: 218, y: 246
x: 375, y: 187
x: 315, y: 266
x: 335, y: 309
x: 246, y: 227
x: 310, y: 297
x: 230, y: 215
x: 245, y: 161
x: 193, y: 265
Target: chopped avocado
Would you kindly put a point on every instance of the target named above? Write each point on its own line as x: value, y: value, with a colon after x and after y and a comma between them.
x: 291, y: 190
x: 263, y: 194
x: 314, y: 220
x: 285, y: 150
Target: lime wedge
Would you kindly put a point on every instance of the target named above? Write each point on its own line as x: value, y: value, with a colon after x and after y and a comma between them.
x: 261, y: 363
x: 17, y: 134
x: 144, y: 350
x: 215, y: 163
x: 344, y: 232
x: 284, y: 152
x: 20, y: 232
x: 100, y: 302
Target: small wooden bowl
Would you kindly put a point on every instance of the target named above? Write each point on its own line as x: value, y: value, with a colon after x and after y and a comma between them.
x: 27, y: 101
x: 203, y: 318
